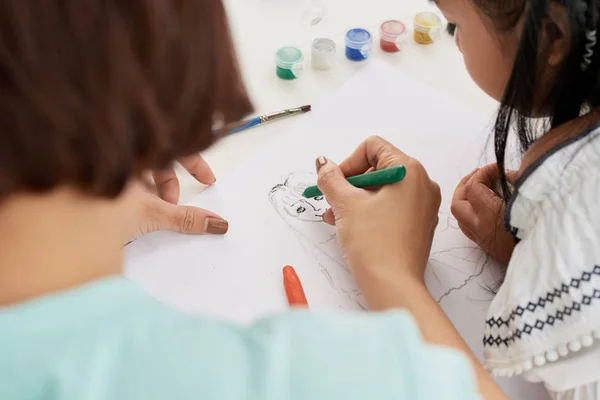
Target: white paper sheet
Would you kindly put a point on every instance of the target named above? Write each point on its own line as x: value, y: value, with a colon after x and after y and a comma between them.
x: 238, y: 276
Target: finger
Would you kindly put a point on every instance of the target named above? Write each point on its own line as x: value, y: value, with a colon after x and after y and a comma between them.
x: 482, y: 198
x: 488, y: 174
x: 375, y: 152
x: 332, y: 182
x: 464, y: 213
x: 468, y: 233
x: 329, y: 218
x: 459, y: 192
x: 192, y: 221
x: 512, y: 176
x: 167, y: 185
x: 468, y: 177
x: 198, y: 168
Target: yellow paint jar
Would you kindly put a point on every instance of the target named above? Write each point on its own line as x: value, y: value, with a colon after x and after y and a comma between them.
x: 427, y: 27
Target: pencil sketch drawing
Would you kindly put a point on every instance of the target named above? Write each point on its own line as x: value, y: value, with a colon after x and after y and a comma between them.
x: 305, y: 217
x: 455, y: 263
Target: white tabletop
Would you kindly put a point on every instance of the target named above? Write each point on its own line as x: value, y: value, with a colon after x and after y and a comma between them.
x: 260, y: 27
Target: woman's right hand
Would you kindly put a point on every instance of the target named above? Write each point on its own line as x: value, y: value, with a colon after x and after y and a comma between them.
x: 384, y: 233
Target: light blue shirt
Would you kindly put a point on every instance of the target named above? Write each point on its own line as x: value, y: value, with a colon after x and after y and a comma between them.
x: 110, y: 340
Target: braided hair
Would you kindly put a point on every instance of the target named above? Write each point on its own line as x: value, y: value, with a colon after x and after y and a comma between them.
x: 575, y: 85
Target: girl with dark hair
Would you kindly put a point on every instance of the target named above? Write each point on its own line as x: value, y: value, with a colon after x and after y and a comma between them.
x: 541, y: 60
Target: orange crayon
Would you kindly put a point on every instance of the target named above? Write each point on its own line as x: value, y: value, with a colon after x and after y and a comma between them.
x: 293, y: 288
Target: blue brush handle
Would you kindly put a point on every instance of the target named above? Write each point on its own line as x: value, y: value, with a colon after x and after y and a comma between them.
x: 247, y: 125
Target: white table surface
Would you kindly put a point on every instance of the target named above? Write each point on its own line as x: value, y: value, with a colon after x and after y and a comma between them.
x: 260, y: 27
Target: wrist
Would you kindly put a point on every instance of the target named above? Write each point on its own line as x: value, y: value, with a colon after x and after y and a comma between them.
x: 389, y: 287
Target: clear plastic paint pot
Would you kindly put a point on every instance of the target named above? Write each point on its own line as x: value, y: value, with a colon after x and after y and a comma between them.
x: 427, y: 27
x: 323, y: 53
x: 359, y: 44
x: 392, y: 36
x: 289, y: 62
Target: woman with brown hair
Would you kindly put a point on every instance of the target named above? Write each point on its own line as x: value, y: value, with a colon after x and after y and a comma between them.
x: 94, y: 94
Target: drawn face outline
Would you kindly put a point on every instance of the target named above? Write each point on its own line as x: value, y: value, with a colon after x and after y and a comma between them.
x: 289, y: 196
x: 307, y: 209
x: 297, y: 210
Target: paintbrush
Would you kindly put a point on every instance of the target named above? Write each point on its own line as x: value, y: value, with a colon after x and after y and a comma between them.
x: 249, y: 123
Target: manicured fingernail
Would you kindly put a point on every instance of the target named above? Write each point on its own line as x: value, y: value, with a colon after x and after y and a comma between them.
x: 215, y: 226
x: 320, y: 162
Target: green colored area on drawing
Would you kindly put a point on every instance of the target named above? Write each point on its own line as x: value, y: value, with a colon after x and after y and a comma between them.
x: 385, y: 176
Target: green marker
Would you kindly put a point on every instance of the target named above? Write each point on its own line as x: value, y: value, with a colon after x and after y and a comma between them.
x: 376, y: 178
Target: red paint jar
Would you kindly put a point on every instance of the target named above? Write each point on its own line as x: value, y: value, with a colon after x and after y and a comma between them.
x: 392, y: 35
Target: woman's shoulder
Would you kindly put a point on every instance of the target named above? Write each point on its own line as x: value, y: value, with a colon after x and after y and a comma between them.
x: 352, y: 355
x: 319, y: 354
x: 114, y: 334
x: 549, y: 303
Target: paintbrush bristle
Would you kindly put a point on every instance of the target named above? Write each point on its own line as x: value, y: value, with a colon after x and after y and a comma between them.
x: 305, y: 108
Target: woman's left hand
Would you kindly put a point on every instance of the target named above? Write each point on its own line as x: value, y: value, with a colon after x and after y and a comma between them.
x: 161, y: 212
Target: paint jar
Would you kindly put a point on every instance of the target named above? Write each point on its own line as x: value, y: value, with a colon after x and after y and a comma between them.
x: 359, y: 44
x: 289, y: 62
x: 323, y: 53
x: 392, y: 36
x: 427, y: 27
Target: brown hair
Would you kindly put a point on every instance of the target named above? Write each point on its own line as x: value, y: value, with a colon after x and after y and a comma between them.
x: 94, y: 92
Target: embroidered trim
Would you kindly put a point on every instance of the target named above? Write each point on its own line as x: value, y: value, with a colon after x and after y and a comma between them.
x: 562, y: 350
x: 527, y: 329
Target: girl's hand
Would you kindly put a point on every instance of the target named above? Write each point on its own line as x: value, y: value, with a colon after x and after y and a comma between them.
x: 384, y: 233
x: 162, y: 213
x: 480, y: 212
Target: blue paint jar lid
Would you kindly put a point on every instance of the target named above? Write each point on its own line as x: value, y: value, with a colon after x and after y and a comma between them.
x: 358, y: 38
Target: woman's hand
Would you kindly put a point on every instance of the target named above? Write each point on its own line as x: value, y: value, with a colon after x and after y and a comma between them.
x: 480, y: 212
x: 167, y: 183
x: 161, y: 212
x: 384, y: 233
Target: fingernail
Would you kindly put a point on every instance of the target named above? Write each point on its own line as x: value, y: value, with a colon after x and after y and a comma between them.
x: 320, y: 162
x: 215, y: 226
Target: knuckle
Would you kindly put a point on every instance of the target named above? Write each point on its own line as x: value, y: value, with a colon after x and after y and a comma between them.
x: 415, y: 166
x: 375, y: 139
x: 187, y: 220
x: 454, y: 209
x: 325, y: 176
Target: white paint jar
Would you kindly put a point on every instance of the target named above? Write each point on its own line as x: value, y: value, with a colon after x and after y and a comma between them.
x: 323, y: 53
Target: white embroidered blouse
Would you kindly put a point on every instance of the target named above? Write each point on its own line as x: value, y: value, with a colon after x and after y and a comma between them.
x: 544, y: 323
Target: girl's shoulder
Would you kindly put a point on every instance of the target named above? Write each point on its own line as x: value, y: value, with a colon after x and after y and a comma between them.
x: 560, y: 181
x: 549, y: 303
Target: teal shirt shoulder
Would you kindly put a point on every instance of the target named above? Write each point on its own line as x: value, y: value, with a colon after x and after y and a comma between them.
x: 110, y: 340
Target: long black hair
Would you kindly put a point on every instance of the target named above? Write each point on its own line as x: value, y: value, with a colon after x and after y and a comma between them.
x: 570, y: 91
